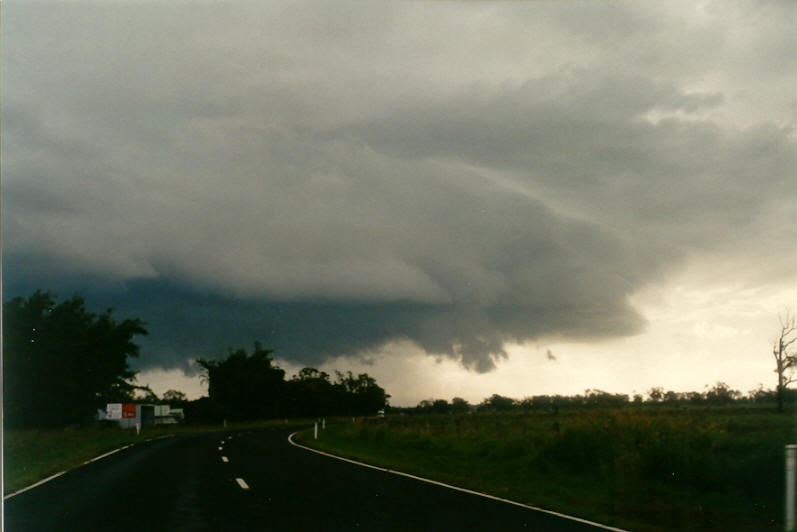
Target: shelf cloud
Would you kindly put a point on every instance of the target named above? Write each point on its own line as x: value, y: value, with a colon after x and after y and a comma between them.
x: 328, y: 179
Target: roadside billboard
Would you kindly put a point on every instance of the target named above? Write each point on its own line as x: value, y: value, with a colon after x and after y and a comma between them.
x: 113, y: 411
x: 128, y: 410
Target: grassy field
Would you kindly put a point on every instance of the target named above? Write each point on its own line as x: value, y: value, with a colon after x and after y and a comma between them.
x: 32, y: 455
x: 643, y: 469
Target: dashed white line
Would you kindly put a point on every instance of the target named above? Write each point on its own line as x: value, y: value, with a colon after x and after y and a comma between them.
x: 225, y: 459
x: 221, y: 448
x: 244, y: 485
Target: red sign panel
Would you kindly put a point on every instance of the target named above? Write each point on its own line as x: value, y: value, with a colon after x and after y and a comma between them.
x: 128, y: 410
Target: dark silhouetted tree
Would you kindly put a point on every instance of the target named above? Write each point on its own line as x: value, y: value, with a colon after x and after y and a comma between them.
x: 656, y: 395
x: 498, y: 403
x: 146, y: 395
x: 361, y: 395
x: 174, y: 396
x: 441, y: 406
x: 459, y: 406
x: 785, y: 356
x: 61, y: 362
x: 246, y: 386
x: 425, y: 406
x: 311, y: 394
x: 722, y: 394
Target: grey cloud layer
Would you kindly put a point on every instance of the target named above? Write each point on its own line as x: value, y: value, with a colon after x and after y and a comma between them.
x: 368, y: 170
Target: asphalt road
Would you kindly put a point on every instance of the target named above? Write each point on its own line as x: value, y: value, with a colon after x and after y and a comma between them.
x: 183, y: 483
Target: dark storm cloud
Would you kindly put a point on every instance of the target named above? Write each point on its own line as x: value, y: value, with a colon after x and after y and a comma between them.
x: 185, y: 324
x: 325, y: 181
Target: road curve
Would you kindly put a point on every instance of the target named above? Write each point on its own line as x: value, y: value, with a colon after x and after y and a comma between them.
x: 253, y: 480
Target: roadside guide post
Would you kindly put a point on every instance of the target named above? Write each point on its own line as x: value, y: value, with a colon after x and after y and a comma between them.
x: 790, y: 453
x: 315, y: 431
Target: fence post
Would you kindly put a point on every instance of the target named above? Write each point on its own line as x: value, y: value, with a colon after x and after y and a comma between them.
x: 790, y: 453
x: 315, y: 431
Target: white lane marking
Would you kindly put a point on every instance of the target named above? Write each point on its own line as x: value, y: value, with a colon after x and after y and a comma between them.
x: 221, y: 448
x: 464, y: 490
x: 39, y: 483
x: 159, y: 437
x: 225, y: 459
x: 244, y: 485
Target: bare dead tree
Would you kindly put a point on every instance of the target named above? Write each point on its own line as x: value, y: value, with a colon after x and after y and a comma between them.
x: 785, y: 356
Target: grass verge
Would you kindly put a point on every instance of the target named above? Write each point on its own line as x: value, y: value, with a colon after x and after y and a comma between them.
x: 647, y: 470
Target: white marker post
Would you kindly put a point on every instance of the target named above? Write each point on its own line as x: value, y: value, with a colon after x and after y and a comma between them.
x: 790, y: 452
x: 138, y: 428
x: 315, y: 431
x: 324, y: 424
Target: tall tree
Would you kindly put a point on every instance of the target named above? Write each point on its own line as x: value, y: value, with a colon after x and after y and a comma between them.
x: 362, y: 395
x: 785, y: 356
x: 311, y: 394
x: 61, y: 361
x: 246, y: 386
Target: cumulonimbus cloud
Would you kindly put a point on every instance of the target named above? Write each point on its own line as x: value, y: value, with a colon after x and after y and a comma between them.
x: 308, y: 195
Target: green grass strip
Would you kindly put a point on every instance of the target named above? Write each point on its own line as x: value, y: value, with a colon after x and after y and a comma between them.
x: 699, y: 469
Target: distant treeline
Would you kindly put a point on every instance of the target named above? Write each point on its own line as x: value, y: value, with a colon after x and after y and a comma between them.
x: 719, y: 394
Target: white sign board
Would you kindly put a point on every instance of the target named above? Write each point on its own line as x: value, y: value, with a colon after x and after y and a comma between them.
x: 113, y: 411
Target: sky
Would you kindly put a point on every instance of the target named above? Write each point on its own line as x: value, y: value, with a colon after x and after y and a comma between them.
x: 459, y: 199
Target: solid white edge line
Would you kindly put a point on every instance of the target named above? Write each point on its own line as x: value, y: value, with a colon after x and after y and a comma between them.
x: 106, y: 454
x: 457, y: 488
x: 242, y: 483
x: 48, y: 479
x: 39, y: 483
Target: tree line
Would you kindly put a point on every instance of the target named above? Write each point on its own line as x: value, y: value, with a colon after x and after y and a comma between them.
x: 719, y: 394
x: 250, y: 386
x: 62, y: 362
